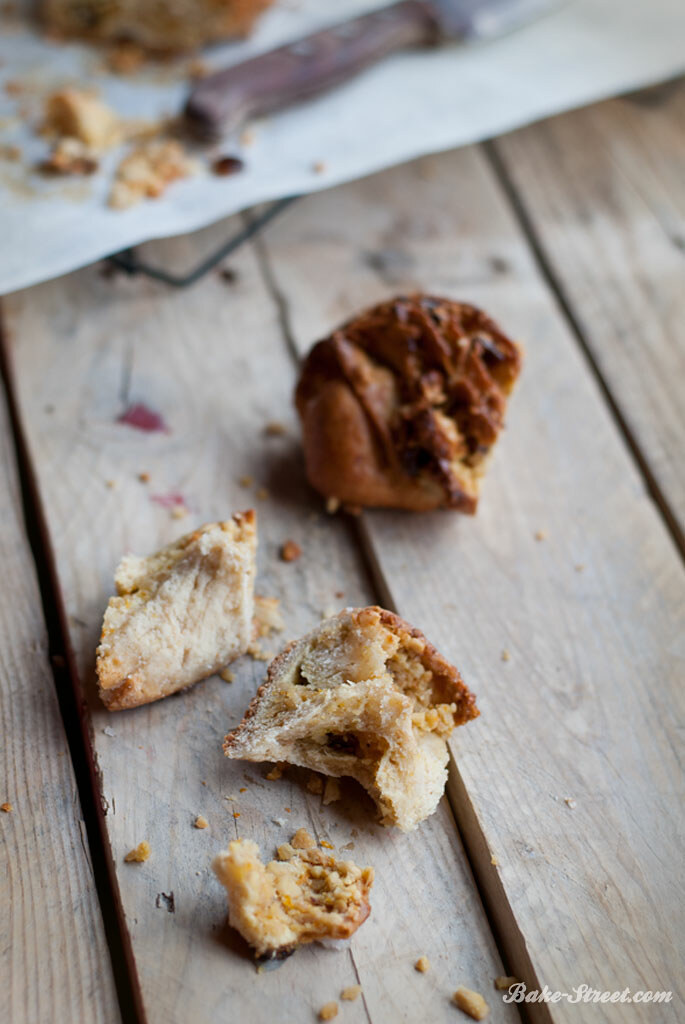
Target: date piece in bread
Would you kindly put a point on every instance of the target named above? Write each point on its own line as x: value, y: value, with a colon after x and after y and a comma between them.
x: 304, y: 896
x: 401, y: 406
x: 180, y: 614
x: 364, y: 695
x: 176, y: 25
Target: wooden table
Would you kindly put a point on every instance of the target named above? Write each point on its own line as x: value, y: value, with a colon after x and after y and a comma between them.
x: 557, y: 854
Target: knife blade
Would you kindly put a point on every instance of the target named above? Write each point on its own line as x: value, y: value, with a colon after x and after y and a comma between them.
x: 224, y: 100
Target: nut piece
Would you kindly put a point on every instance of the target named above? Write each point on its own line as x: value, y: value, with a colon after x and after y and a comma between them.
x: 6, y: 807
x: 351, y: 993
x: 422, y: 965
x: 328, y: 1011
x: 471, y: 1003
x: 290, y: 551
x: 139, y: 854
x: 401, y: 406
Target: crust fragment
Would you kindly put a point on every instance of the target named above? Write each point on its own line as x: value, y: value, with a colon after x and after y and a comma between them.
x: 179, y: 615
x: 363, y: 695
x: 303, y: 896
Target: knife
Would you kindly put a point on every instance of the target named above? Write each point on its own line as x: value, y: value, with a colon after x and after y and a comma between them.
x: 224, y: 100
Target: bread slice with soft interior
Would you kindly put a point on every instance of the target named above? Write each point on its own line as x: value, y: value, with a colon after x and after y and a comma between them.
x: 367, y: 696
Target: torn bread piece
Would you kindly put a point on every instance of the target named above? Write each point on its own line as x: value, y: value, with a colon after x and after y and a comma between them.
x: 180, y: 614
x: 304, y: 896
x: 365, y: 695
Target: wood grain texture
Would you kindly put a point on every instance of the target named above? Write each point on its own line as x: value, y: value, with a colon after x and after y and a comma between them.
x: 54, y: 960
x: 570, y: 779
x: 604, y: 192
x: 213, y: 363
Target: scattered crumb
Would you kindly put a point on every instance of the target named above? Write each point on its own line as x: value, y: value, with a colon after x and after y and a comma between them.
x: 178, y: 512
x: 279, y: 821
x: 108, y: 731
x: 247, y: 137
x: 236, y: 814
x: 262, y: 494
x: 326, y: 845
x: 504, y: 983
x: 139, y: 854
x: 257, y: 653
x: 125, y: 57
x: 541, y: 534
x: 319, y: 167
x: 302, y: 840
x: 11, y: 153
x: 471, y: 1003
x: 290, y: 551
x: 422, y: 965
x: 228, y: 275
x: 340, y: 594
x: 347, y: 846
x: 579, y: 567
x: 570, y: 802
x: 287, y: 809
x: 227, y: 165
x: 78, y: 115
x: 274, y: 429
x: 275, y: 773
x: 267, y: 616
x: 245, y: 481
x: 351, y: 993
x: 331, y: 791
x: 201, y: 822
x: 332, y: 505
x: 111, y: 484
x: 505, y: 655
x: 146, y: 171
x: 494, y: 861
x: 328, y: 1011
x: 315, y: 784
x: 6, y: 807
x: 227, y: 675
x: 198, y: 69
x: 144, y: 477
x: 243, y: 789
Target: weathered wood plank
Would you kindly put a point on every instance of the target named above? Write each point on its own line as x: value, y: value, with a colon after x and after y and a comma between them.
x: 54, y: 960
x: 587, y: 707
x: 604, y: 192
x: 213, y: 363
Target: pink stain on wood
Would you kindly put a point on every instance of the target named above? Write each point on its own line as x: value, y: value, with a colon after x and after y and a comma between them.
x: 171, y: 500
x: 141, y: 417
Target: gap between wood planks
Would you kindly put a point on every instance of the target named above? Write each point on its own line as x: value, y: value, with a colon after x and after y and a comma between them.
x: 510, y: 941
x: 70, y: 702
x: 555, y: 284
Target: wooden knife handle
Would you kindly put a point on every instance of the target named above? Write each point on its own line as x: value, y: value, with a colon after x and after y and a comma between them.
x: 281, y: 77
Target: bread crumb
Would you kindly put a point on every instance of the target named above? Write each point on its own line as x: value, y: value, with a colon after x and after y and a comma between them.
x: 302, y: 840
x: 494, y: 861
x: 257, y: 653
x: 579, y: 567
x: 274, y: 429
x: 279, y: 821
x: 108, y: 731
x: 541, y: 534
x: 201, y: 822
x: 326, y: 845
x: 422, y: 965
x: 315, y: 784
x: 332, y: 505
x: 262, y: 494
x: 267, y: 616
x: 290, y: 551
x: 139, y: 854
x: 331, y: 791
x: 111, y: 484
x: 471, y: 1003
x: 69, y: 156
x: 570, y: 802
x: 505, y: 655
x: 227, y: 675
x: 351, y: 993
x: 236, y: 814
x: 503, y: 983
x: 198, y: 69
x: 144, y: 477
x: 274, y: 774
x: 319, y: 167
x: 147, y: 170
x: 243, y: 789
x: 78, y: 114
x: 328, y: 1011
x: 245, y: 481
x: 6, y: 807
x: 179, y: 512
x: 247, y: 137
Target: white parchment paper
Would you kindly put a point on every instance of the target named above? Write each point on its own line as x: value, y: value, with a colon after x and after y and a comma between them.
x: 410, y: 105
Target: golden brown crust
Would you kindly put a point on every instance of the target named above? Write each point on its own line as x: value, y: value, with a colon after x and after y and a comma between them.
x: 401, y: 406
x: 176, y: 26
x: 448, y: 684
